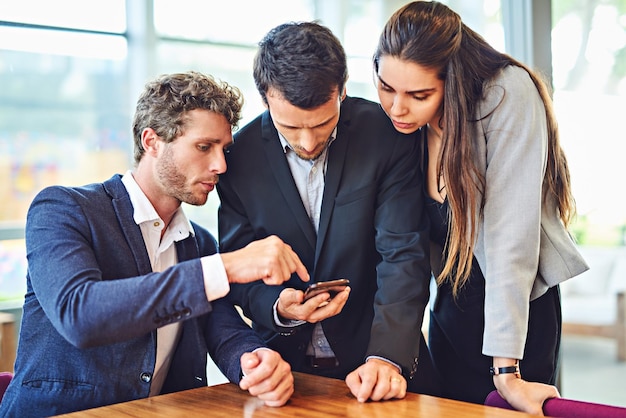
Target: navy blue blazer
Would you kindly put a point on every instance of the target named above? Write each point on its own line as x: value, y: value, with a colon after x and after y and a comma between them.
x: 372, y: 231
x: 88, y: 333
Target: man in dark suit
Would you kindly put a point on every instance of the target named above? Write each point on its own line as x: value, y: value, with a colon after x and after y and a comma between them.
x: 331, y: 176
x: 124, y: 294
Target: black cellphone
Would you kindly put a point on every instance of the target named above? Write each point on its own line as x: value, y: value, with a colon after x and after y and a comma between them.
x: 332, y: 287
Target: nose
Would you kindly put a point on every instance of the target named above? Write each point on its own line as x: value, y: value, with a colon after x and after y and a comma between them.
x: 308, y: 140
x: 218, y: 163
x: 398, y: 106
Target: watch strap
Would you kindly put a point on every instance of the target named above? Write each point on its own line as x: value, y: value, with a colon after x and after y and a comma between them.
x: 495, y: 371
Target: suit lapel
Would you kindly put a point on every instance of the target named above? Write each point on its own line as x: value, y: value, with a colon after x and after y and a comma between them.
x: 280, y: 168
x: 334, y: 170
x: 187, y: 249
x: 124, y: 212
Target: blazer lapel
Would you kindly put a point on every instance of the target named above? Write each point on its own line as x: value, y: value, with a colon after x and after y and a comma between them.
x: 187, y: 249
x: 334, y: 169
x: 124, y: 212
x: 280, y: 168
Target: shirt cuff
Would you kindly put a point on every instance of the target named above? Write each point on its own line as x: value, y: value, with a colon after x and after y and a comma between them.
x: 215, y: 279
x: 287, y: 323
x: 387, y: 360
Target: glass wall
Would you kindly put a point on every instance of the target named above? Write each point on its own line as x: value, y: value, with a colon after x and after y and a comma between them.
x: 589, y: 70
x: 64, y: 112
x: 69, y: 83
x: 70, y: 72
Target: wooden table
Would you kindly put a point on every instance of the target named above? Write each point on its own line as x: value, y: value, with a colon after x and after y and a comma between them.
x: 314, y: 397
x: 7, y: 342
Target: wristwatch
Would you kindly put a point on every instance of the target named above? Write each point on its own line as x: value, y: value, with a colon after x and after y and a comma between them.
x: 495, y: 371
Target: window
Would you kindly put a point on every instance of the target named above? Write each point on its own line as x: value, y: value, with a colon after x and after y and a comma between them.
x: 94, y: 15
x: 64, y: 113
x: 71, y: 71
x: 589, y: 70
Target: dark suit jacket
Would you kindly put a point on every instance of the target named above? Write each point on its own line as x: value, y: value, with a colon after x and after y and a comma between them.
x: 88, y: 334
x: 372, y: 231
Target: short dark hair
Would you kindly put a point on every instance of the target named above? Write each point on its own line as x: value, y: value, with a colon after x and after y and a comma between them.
x: 165, y: 101
x: 303, y: 61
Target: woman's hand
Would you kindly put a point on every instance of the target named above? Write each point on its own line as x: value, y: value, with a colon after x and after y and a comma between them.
x: 522, y: 395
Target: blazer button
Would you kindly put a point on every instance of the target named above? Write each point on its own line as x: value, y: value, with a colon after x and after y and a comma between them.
x: 145, y: 377
x: 177, y: 316
x: 186, y: 311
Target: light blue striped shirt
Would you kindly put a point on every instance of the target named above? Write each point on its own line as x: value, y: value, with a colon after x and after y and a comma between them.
x: 309, y: 176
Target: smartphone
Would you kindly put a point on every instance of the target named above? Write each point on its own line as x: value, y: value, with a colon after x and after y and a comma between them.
x: 333, y: 287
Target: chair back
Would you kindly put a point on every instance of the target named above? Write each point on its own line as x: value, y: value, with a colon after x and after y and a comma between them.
x: 566, y: 408
x: 5, y: 379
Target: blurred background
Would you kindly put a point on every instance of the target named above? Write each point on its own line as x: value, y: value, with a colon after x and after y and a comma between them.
x: 71, y: 70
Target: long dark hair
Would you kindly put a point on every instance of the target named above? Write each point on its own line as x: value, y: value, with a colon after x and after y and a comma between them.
x: 432, y: 35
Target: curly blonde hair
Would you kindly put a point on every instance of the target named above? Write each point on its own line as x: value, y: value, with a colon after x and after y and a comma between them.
x: 165, y: 102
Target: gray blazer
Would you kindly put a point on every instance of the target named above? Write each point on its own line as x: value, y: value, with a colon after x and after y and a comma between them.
x: 522, y: 247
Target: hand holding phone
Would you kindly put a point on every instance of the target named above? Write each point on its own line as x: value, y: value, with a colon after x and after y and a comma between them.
x: 332, y: 287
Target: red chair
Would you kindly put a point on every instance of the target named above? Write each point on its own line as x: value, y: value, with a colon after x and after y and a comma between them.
x: 5, y: 379
x: 566, y: 408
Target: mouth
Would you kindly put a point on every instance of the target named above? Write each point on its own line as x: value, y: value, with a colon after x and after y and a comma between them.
x: 208, y: 186
x: 402, y: 125
x: 308, y: 155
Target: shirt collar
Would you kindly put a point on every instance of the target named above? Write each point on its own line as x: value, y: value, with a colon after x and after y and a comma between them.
x: 143, y: 211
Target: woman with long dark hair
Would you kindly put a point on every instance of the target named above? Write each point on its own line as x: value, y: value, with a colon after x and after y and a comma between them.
x: 499, y: 202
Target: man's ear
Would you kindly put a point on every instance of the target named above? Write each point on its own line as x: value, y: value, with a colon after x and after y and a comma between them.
x: 150, y: 141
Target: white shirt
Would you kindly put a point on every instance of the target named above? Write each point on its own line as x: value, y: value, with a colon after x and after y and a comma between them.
x: 162, y: 253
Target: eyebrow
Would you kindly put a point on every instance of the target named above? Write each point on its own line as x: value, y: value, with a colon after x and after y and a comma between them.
x: 420, y: 91
x: 216, y: 141
x: 297, y: 127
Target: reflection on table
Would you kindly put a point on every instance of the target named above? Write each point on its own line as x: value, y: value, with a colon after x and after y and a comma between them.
x: 314, y: 396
